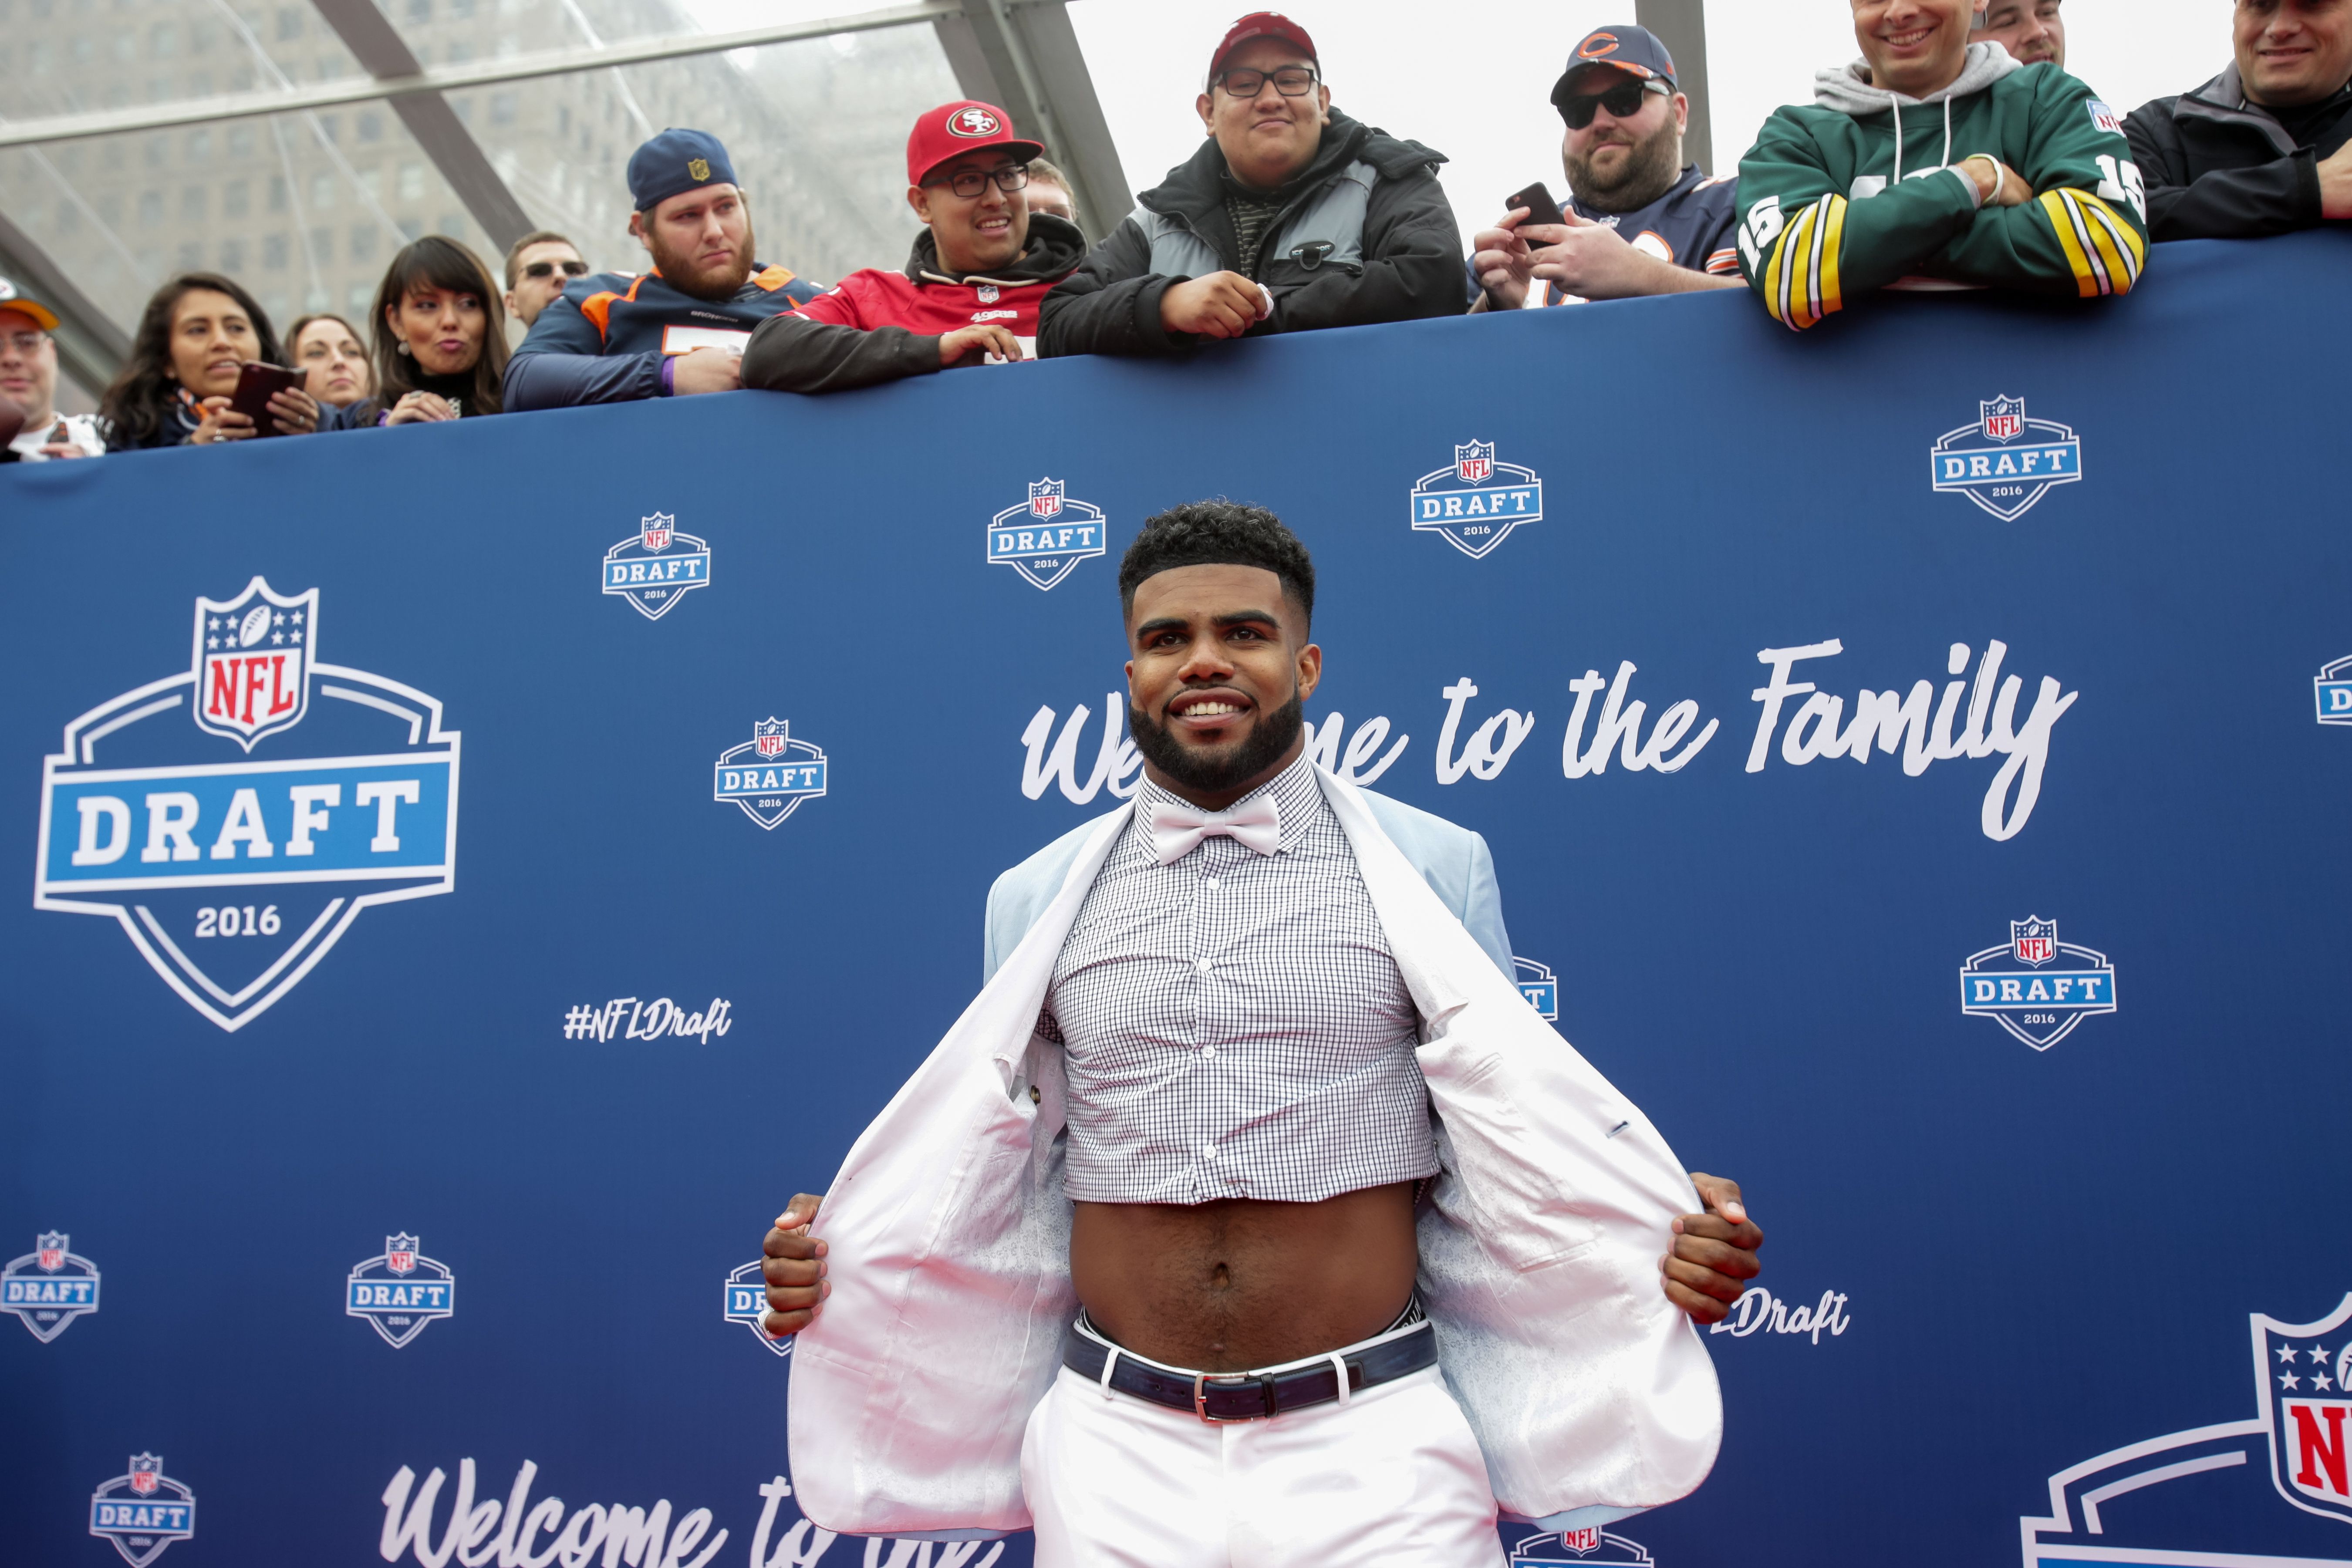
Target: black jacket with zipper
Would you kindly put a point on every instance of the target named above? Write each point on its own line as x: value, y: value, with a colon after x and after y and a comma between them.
x: 1411, y: 252
x: 2220, y: 167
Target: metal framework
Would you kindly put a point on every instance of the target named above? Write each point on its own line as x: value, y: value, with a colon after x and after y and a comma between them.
x: 1681, y: 26
x: 1021, y: 54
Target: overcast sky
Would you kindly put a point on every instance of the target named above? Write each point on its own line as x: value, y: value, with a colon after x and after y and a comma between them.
x: 1473, y: 77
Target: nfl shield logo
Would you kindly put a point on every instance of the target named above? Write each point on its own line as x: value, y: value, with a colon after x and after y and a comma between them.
x: 770, y: 736
x: 400, y: 1254
x: 2034, y: 941
x: 2004, y: 418
x: 145, y: 1470
x: 253, y: 656
x: 656, y: 531
x: 988, y: 293
x: 1475, y: 462
x: 2301, y: 1368
x: 52, y: 1249
x: 1044, y: 498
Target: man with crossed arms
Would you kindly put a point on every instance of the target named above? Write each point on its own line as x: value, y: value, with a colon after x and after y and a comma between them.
x: 1249, y: 1062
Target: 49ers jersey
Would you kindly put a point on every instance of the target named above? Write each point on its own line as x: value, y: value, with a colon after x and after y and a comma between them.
x: 933, y: 304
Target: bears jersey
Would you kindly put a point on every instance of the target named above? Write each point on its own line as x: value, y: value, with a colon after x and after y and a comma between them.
x: 1692, y: 225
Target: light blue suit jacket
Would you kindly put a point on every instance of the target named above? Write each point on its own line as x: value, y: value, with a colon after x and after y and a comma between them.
x: 1453, y: 861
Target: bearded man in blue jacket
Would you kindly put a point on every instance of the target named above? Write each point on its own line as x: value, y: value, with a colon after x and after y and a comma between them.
x: 1250, y: 1216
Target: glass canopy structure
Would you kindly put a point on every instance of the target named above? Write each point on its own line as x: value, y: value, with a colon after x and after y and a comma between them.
x: 297, y: 145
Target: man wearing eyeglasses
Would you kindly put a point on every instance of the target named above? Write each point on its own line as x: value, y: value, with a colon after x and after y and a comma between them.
x: 1291, y: 216
x: 1641, y: 221
x: 969, y: 294
x: 29, y: 378
x: 537, y: 266
x: 678, y: 328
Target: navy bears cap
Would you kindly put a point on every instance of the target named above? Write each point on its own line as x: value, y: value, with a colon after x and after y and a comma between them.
x: 1634, y: 50
x: 673, y: 163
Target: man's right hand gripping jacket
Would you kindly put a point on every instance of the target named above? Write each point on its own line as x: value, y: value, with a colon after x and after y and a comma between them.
x: 1862, y: 189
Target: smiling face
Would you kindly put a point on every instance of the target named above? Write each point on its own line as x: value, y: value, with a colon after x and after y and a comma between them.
x: 442, y: 327
x: 29, y: 366
x: 1267, y: 138
x: 211, y: 337
x: 974, y: 234
x: 338, y: 367
x: 1914, y: 46
x: 2030, y: 29
x: 2293, y: 52
x: 700, y: 240
x: 1617, y: 164
x: 1220, y: 666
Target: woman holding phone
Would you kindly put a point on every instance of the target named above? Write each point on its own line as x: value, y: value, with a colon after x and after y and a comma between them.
x: 328, y: 349
x: 439, y: 350
x: 194, y: 340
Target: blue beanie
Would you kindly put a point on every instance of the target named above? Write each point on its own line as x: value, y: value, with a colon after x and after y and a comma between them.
x: 676, y: 161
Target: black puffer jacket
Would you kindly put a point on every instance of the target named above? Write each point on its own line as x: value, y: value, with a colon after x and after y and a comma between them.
x: 1411, y: 262
x: 2218, y: 167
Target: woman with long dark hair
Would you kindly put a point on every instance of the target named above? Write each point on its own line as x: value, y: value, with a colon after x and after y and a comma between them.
x: 195, y: 336
x: 440, y: 346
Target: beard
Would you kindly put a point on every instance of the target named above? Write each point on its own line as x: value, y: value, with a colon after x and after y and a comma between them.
x: 714, y: 283
x: 1266, y: 742
x: 1649, y: 169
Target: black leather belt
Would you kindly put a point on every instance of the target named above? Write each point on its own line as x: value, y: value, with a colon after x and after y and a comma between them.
x: 1220, y: 1397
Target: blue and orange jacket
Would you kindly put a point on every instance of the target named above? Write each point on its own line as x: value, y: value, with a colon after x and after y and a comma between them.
x: 605, y: 339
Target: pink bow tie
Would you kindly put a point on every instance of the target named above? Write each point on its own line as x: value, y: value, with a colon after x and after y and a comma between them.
x: 1177, y: 829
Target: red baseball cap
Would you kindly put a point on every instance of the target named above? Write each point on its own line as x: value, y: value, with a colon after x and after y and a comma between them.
x: 1261, y: 24
x: 953, y: 129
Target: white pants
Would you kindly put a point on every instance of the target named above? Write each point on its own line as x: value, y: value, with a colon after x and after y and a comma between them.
x: 1391, y: 1479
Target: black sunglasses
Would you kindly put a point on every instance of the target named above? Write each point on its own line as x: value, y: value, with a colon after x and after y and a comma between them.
x: 1623, y: 100
x: 544, y: 269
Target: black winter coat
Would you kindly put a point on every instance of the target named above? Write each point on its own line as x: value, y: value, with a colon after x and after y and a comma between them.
x: 2218, y: 167
x: 1411, y: 249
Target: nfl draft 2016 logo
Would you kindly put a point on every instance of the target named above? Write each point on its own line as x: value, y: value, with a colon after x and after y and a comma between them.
x: 2005, y: 462
x: 2332, y: 690
x: 1475, y: 504
x: 400, y: 1290
x: 2307, y: 1408
x: 1585, y: 1545
x: 656, y: 566
x: 50, y: 1287
x: 747, y: 1302
x: 770, y: 774
x: 1045, y: 539
x: 142, y: 1511
x: 2015, y: 986
x: 272, y: 799
x: 1539, y: 985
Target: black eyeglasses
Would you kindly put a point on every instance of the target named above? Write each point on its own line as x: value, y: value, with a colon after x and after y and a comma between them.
x: 574, y: 268
x: 1623, y: 101
x: 969, y: 183
x: 1291, y: 81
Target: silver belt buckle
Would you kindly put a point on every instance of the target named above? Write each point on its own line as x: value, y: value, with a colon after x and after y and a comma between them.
x: 1200, y: 1380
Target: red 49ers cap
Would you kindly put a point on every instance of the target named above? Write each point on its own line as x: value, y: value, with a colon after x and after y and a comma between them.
x: 1634, y: 50
x: 951, y: 131
x: 1261, y: 24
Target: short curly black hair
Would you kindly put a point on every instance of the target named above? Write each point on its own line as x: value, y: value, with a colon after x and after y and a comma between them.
x: 1218, y: 532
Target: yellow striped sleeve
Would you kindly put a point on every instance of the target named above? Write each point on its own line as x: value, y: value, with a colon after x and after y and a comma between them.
x: 1801, y: 279
x: 2104, y: 252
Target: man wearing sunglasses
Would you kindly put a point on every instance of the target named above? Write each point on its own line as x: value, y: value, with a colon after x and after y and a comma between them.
x: 681, y: 326
x: 1640, y: 220
x: 537, y: 266
x: 969, y: 294
x: 1290, y: 217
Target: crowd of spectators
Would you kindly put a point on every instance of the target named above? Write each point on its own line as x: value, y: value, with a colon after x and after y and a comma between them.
x: 1956, y: 151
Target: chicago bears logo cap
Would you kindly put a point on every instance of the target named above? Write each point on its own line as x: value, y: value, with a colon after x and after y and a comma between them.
x: 673, y: 163
x: 953, y: 129
x: 1623, y: 46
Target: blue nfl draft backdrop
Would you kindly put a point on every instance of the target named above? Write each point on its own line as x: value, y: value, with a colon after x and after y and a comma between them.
x: 479, y: 873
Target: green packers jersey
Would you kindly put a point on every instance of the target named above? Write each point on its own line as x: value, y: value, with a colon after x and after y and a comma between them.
x: 1834, y: 203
